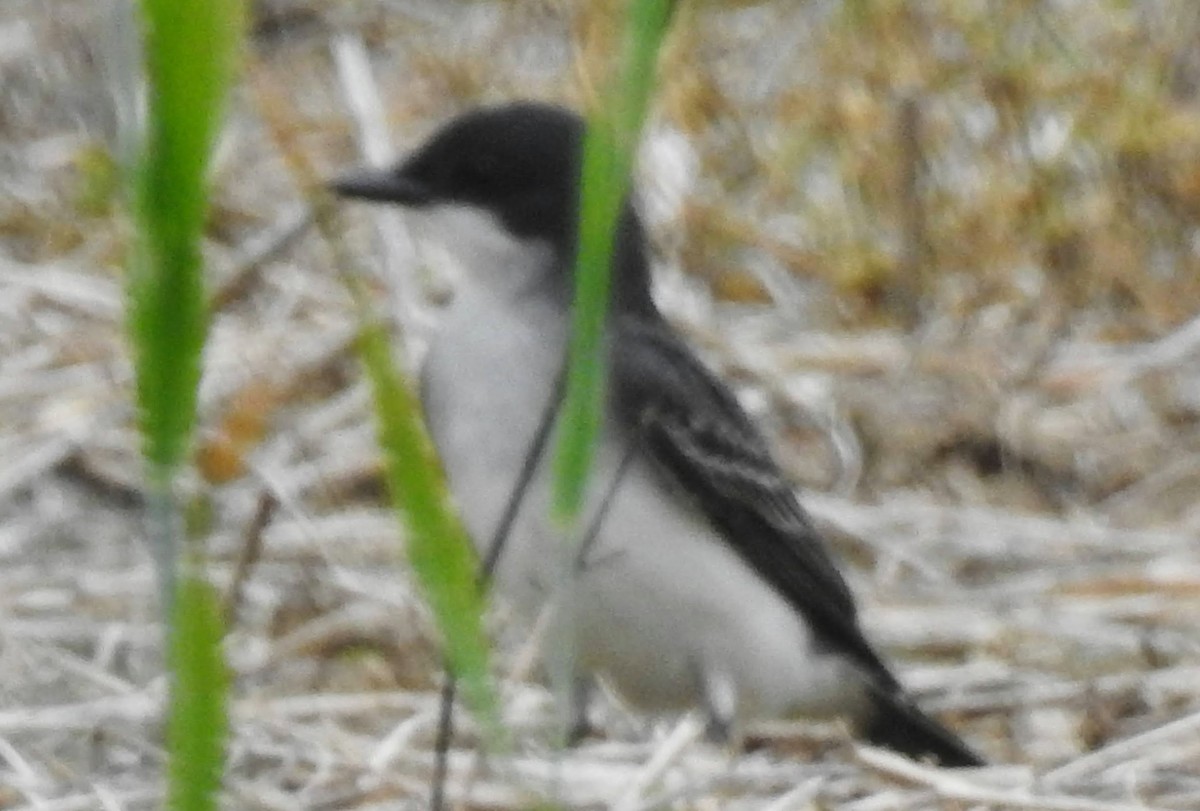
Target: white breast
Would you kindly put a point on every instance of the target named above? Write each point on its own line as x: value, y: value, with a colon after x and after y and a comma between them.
x: 490, y: 370
x: 664, y: 603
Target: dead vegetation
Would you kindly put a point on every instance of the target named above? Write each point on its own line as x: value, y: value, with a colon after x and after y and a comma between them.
x: 948, y: 251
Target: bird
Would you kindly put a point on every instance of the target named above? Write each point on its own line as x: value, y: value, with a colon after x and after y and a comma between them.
x: 703, y: 581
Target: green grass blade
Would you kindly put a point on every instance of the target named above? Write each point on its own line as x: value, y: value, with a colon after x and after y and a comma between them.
x: 190, y: 49
x: 190, y: 54
x: 608, y: 152
x: 439, y: 549
x: 197, y: 725
x: 583, y: 398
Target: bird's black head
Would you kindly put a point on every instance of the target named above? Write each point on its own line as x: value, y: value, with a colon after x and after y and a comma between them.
x: 519, y: 162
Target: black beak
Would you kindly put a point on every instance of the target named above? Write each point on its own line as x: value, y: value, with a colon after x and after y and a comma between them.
x: 383, y: 185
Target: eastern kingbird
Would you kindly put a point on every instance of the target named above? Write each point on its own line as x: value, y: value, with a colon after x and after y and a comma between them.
x: 705, y: 582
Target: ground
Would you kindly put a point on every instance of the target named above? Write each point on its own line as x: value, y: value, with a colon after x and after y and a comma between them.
x: 947, y: 252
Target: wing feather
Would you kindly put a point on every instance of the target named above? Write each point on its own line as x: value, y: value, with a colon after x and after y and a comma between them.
x: 697, y: 435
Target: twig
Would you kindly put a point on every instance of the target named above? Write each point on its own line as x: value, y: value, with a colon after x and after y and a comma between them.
x: 365, y: 106
x: 802, y: 796
x: 400, y: 738
x: 686, y: 732
x: 20, y: 770
x: 309, y: 705
x: 29, y: 464
x: 88, y: 294
x: 597, y: 522
x: 87, y: 801
x: 953, y: 786
x: 249, y: 554
x: 441, y: 748
x: 76, y: 666
x: 915, y: 233
x: 1123, y: 750
x: 261, y: 249
x: 529, y: 464
x: 83, y: 715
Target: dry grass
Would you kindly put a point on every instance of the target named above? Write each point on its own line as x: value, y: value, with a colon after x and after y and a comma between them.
x: 973, y: 228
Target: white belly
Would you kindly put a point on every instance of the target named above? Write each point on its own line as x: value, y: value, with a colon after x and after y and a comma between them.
x: 485, y: 384
x: 663, y: 604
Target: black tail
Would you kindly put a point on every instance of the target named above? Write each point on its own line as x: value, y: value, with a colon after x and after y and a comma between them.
x: 898, y: 724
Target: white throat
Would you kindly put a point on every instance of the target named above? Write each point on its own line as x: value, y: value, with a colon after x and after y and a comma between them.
x: 472, y: 248
x: 497, y: 352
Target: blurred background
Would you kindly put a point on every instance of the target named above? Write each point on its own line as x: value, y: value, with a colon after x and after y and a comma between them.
x: 948, y: 251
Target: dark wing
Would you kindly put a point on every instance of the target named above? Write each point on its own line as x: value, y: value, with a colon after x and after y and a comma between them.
x: 696, y: 433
